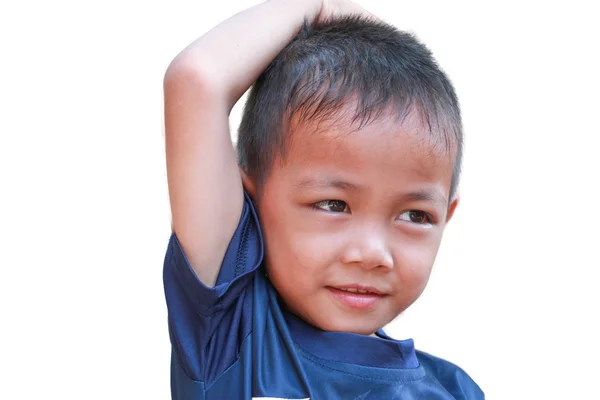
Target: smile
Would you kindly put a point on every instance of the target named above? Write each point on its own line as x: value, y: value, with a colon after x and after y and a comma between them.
x: 361, y: 298
x: 354, y: 290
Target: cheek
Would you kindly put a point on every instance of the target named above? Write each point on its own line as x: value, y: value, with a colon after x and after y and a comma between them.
x: 415, y: 263
x: 295, y: 253
x: 294, y: 258
x: 294, y: 238
x: 296, y: 267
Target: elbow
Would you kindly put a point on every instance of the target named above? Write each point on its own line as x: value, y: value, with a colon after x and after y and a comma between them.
x: 185, y: 73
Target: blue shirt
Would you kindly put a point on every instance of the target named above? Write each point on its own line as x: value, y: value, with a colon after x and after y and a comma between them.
x: 236, y: 341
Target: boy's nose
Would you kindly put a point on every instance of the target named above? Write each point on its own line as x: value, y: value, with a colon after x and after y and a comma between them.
x: 369, y: 248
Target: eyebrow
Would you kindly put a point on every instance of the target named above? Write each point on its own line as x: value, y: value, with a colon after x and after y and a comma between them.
x: 428, y: 196
x: 324, y: 183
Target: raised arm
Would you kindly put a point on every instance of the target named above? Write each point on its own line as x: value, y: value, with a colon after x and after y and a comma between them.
x: 201, y: 86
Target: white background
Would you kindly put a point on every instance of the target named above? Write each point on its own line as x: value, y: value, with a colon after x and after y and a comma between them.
x: 84, y: 214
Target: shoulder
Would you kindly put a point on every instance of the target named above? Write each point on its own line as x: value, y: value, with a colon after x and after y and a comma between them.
x: 453, y: 378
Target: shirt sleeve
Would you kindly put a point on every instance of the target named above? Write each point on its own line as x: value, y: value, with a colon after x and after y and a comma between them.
x: 207, y: 325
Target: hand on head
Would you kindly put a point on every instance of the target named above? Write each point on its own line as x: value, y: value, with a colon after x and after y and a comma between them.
x: 340, y: 8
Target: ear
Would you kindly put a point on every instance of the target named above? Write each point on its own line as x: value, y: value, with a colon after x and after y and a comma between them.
x: 452, y: 207
x: 248, y: 182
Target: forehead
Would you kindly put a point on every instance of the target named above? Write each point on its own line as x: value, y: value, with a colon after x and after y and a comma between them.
x: 385, y: 151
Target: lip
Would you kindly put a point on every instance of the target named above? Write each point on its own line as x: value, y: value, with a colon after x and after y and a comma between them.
x: 355, y: 300
x: 369, y: 289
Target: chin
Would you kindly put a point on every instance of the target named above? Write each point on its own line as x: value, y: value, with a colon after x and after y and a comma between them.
x: 349, y: 326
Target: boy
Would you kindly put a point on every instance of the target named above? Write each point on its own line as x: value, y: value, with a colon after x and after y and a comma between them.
x: 350, y: 149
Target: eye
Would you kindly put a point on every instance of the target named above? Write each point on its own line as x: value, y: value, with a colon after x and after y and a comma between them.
x: 416, y: 217
x: 336, y: 206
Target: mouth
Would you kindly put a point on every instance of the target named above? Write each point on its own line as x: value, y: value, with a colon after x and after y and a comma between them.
x: 357, y: 296
x: 358, y: 289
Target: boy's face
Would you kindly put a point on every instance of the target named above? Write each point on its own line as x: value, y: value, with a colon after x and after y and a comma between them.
x: 348, y: 211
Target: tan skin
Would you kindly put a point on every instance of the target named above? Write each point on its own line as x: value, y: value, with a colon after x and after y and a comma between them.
x: 383, y: 231
x: 312, y: 245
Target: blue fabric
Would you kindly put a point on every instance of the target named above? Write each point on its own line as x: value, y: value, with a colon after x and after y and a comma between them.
x: 235, y: 341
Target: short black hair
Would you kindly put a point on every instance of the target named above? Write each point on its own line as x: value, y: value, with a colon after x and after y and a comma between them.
x: 328, y: 65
